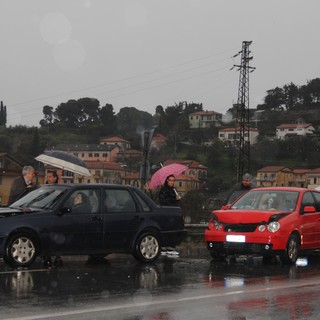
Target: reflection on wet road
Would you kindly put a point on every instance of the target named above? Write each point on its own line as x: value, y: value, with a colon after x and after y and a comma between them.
x: 189, y: 286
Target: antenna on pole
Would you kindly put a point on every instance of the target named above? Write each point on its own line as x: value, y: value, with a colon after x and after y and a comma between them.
x: 242, y: 130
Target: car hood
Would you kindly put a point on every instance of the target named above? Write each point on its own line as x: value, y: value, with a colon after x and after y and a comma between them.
x: 246, y: 216
x: 9, y: 212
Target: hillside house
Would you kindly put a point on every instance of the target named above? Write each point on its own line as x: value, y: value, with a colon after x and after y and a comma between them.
x: 204, y: 119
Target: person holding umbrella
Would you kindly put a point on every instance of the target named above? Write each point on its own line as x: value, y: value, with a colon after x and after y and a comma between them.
x: 168, y: 195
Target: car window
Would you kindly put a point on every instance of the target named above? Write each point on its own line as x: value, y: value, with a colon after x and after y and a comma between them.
x: 317, y: 197
x: 145, y: 207
x: 83, y: 201
x: 267, y: 200
x: 41, y: 198
x: 119, y: 200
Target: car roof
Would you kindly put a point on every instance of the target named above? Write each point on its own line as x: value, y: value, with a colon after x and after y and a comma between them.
x: 297, y: 189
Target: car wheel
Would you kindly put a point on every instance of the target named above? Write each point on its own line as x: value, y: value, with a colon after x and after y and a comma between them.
x: 20, y: 250
x: 147, y: 247
x: 291, y: 252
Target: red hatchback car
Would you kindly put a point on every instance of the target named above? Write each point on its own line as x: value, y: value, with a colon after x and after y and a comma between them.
x: 271, y: 221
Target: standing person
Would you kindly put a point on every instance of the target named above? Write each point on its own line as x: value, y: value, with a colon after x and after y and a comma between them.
x: 168, y: 196
x: 52, y: 178
x: 59, y: 173
x: 240, y: 188
x: 22, y: 185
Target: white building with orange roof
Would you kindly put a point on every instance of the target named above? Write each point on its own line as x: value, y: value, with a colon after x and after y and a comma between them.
x: 293, y: 129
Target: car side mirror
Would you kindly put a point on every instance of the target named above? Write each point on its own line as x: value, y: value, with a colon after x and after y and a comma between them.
x: 226, y: 207
x: 63, y: 211
x: 309, y: 209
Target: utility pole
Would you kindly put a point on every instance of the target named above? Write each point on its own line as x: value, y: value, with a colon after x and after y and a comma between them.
x: 242, y: 132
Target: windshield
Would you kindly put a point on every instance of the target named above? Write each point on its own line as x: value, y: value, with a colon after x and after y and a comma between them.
x: 267, y: 200
x: 42, y: 198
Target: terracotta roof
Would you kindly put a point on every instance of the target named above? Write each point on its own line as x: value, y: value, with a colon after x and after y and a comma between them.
x: 113, y: 139
x: 84, y: 147
x: 189, y: 163
x: 301, y: 171
x: 204, y: 113
x: 107, y: 165
x: 159, y: 137
x: 294, y: 125
x: 317, y: 170
x: 274, y: 169
x: 233, y: 130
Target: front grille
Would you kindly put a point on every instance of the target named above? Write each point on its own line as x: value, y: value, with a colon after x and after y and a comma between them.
x: 244, y: 227
x: 237, y: 247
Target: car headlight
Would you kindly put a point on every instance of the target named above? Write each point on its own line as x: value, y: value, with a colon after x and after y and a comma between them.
x: 273, y: 226
x: 217, y: 225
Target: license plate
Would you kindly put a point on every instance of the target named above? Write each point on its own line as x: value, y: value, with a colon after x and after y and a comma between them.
x: 235, y: 238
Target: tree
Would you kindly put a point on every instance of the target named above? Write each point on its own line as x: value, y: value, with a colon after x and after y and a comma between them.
x: 291, y: 95
x: 131, y: 121
x: 48, y: 117
x: 3, y: 114
x: 108, y: 119
x: 313, y: 87
x: 275, y: 99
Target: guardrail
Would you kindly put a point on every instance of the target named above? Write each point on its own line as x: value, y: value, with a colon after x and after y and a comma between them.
x: 195, y: 232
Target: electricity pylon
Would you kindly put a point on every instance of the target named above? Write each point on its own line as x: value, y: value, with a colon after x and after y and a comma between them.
x: 242, y: 130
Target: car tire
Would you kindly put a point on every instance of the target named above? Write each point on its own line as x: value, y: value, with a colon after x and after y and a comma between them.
x: 291, y: 252
x: 20, y: 251
x: 147, y: 247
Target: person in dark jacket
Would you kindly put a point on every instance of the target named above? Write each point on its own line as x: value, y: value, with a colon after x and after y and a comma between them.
x: 52, y: 178
x: 168, y: 196
x: 241, y: 187
x: 22, y: 185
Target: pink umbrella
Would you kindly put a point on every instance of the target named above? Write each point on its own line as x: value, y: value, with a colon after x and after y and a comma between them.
x: 160, y: 176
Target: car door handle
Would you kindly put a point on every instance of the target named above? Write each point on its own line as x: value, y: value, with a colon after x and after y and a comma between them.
x: 99, y: 219
x: 138, y: 218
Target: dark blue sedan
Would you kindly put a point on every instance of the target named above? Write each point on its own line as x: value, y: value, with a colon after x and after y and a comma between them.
x: 87, y: 219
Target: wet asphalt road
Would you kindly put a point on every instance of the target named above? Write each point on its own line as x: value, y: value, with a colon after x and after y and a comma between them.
x: 188, y: 286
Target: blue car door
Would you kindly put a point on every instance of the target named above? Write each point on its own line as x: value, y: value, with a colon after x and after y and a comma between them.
x: 122, y: 220
x: 79, y: 231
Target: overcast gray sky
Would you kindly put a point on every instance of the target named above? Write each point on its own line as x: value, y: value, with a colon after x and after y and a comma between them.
x: 144, y: 53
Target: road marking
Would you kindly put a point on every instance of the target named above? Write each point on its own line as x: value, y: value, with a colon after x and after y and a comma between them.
x: 167, y: 301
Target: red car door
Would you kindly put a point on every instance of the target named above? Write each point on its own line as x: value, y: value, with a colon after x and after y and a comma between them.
x: 310, y: 223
